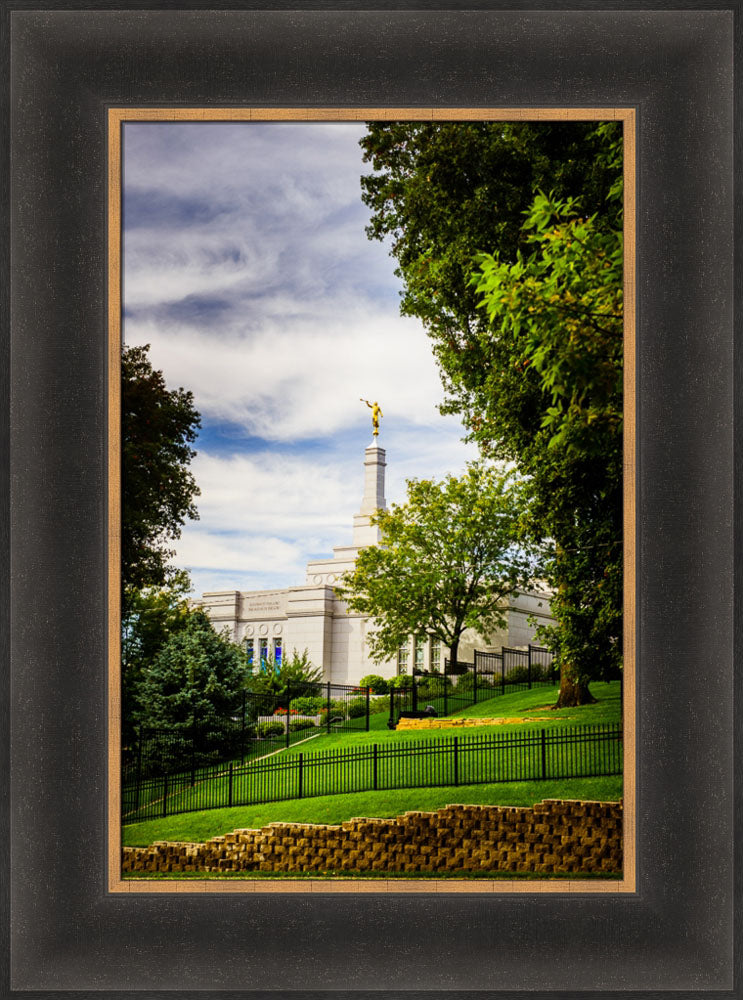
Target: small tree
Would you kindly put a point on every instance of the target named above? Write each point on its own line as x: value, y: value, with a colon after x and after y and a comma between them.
x: 197, y: 675
x: 295, y: 675
x: 151, y: 616
x: 449, y: 558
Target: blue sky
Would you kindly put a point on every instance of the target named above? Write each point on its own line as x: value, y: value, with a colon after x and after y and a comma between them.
x: 248, y: 271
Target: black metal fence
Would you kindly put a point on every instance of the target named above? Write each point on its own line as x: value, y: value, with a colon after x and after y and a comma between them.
x: 267, y: 722
x: 532, y: 755
x: 463, y: 684
x: 513, y: 670
x: 263, y: 724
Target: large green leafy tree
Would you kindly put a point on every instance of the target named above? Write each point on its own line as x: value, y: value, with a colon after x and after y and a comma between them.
x: 440, y: 192
x: 448, y: 559
x: 158, y: 426
x: 443, y: 193
x: 198, y: 675
x: 561, y: 307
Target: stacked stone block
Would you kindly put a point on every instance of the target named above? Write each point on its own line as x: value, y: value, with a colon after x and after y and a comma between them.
x: 554, y: 836
x: 448, y: 723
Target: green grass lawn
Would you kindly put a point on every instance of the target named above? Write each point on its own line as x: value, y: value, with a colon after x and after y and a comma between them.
x: 414, y: 767
x: 525, y: 704
x: 535, y: 704
x: 539, y: 701
x: 200, y: 826
x: 346, y: 876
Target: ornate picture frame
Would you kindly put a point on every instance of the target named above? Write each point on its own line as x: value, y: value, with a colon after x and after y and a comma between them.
x: 673, y: 931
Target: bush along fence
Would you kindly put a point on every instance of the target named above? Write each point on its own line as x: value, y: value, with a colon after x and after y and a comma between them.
x: 262, y: 725
x: 463, y: 684
x: 575, y: 752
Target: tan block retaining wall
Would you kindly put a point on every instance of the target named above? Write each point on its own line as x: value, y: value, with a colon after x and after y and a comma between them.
x: 450, y: 723
x: 553, y: 836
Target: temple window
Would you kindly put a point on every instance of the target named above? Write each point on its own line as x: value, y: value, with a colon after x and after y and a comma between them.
x: 403, y: 656
x: 435, y: 654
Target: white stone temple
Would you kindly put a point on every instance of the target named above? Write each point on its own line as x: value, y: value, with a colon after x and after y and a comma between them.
x: 274, y: 623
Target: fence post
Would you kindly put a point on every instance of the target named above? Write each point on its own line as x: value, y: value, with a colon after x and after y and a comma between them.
x: 288, y: 713
x: 456, y: 760
x: 139, y: 766
x: 502, y: 672
x: 544, y: 754
x: 446, y: 699
x: 528, y: 669
x: 299, y: 782
x: 474, y: 679
x: 229, y: 786
x: 368, y: 699
x: 328, y: 707
x: 193, y: 750
x: 242, y: 733
x: 165, y: 796
x: 375, y: 758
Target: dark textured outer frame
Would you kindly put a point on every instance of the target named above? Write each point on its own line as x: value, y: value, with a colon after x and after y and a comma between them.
x: 675, y: 936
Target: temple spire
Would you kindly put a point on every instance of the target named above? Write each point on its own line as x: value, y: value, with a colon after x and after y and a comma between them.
x: 364, y: 532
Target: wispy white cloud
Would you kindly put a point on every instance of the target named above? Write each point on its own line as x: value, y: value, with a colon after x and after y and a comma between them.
x: 275, y: 495
x: 247, y: 269
x: 287, y: 382
x: 255, y: 208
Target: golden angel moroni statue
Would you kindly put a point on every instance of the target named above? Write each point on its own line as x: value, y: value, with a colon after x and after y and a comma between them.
x: 376, y: 413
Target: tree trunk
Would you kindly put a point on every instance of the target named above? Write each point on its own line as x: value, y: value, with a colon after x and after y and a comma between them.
x: 453, y: 653
x: 572, y: 692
